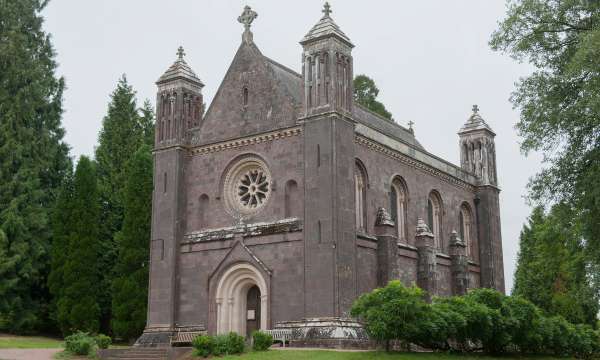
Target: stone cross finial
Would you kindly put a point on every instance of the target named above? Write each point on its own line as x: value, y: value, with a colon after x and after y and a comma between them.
x: 475, y: 109
x: 247, y: 17
x: 410, y: 126
x: 327, y: 9
x: 180, y: 53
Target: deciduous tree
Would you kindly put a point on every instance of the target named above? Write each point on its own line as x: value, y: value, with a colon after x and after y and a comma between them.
x: 560, y: 102
x: 365, y: 93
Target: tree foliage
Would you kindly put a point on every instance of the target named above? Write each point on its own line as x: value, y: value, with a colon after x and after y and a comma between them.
x: 365, y: 93
x: 560, y: 101
x: 124, y: 129
x: 77, y: 294
x: 483, y: 319
x: 130, y: 286
x: 552, y: 271
x: 33, y: 161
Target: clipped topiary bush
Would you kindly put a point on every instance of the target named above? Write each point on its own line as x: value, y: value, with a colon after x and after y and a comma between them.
x: 203, y: 345
x: 261, y: 341
x: 80, y: 343
x: 103, y: 341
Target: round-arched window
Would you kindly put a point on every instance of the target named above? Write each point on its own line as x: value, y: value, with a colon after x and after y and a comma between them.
x: 247, y: 186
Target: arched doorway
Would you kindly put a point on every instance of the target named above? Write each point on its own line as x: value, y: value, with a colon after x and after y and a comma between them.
x: 241, y: 299
x: 252, y: 310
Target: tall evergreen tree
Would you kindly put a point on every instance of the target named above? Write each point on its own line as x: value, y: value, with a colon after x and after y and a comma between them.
x: 33, y: 161
x: 124, y: 129
x: 78, y: 302
x: 61, y: 226
x: 147, y: 123
x: 130, y: 286
x: 551, y: 269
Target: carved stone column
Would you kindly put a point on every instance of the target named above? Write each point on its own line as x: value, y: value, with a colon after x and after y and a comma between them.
x: 427, y: 262
x: 387, y: 248
x: 460, y: 265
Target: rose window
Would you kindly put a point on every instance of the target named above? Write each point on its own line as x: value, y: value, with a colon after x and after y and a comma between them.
x: 253, y: 188
x: 247, y: 187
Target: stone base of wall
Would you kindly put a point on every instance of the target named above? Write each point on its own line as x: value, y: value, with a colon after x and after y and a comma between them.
x: 327, y: 333
x: 161, y: 336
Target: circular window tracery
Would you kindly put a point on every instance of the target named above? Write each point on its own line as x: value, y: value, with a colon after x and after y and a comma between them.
x: 247, y: 186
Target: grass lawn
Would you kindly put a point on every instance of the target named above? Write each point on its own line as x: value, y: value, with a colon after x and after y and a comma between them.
x: 29, y: 342
x: 371, y: 355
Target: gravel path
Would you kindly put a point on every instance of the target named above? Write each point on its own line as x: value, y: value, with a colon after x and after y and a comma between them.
x: 27, y: 354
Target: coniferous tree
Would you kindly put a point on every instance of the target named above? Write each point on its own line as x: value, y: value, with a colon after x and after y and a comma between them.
x: 147, y: 124
x: 78, y: 302
x: 552, y: 268
x: 124, y: 129
x: 61, y: 227
x: 33, y: 161
x: 130, y: 286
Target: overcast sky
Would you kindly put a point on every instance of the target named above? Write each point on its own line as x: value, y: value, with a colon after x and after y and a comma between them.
x: 430, y: 60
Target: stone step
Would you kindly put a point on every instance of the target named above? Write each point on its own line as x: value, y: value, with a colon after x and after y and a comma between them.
x: 142, y: 354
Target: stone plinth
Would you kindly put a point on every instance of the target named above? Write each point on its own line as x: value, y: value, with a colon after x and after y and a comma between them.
x: 426, y: 264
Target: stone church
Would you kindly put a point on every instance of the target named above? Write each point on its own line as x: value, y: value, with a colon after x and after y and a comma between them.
x: 284, y: 200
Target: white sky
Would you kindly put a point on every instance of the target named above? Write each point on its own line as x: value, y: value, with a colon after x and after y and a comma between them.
x: 430, y: 59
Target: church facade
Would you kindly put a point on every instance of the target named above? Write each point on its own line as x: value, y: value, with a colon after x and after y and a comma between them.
x: 285, y: 200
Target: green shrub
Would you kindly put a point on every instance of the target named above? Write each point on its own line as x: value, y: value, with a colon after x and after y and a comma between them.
x: 80, y: 343
x: 203, y: 345
x: 394, y: 312
x: 229, y: 344
x: 236, y: 343
x: 522, y: 320
x: 103, y: 341
x: 261, y: 341
x: 221, y: 345
x: 483, y: 319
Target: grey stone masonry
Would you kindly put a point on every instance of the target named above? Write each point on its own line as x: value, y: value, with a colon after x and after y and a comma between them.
x: 427, y: 263
x: 387, y: 248
x: 285, y: 200
x: 460, y: 265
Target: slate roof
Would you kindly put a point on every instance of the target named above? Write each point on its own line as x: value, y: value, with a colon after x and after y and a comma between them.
x: 180, y: 70
x: 475, y: 122
x: 292, y: 82
x: 324, y: 28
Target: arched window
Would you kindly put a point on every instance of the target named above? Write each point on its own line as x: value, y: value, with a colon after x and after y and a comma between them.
x: 360, y: 191
x: 245, y: 95
x: 292, y: 200
x: 398, y: 202
x: 434, y: 217
x: 465, y: 220
x: 203, y: 211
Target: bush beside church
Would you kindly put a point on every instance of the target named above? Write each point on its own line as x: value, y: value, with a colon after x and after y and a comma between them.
x: 482, y: 320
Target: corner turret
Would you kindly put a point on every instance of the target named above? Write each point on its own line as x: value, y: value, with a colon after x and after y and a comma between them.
x: 327, y: 67
x: 477, y: 149
x: 179, y: 104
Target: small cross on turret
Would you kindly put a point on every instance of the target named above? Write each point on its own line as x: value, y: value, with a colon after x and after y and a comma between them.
x: 475, y: 109
x: 180, y: 53
x: 410, y: 126
x: 326, y: 9
x: 247, y: 17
